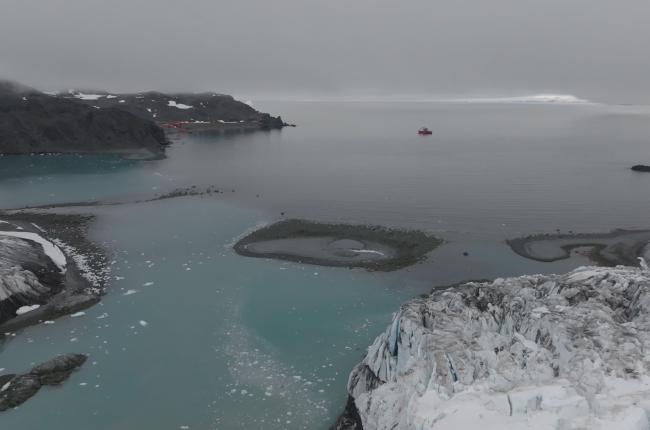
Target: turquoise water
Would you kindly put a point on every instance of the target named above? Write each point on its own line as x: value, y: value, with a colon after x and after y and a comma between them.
x: 212, y: 340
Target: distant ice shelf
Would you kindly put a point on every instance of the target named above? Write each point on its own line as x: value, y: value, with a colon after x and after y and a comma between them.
x: 533, y: 99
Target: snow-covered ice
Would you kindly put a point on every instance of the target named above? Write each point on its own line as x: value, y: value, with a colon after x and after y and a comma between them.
x: 531, y: 352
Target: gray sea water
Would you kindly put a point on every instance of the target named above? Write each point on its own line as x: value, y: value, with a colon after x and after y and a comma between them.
x: 211, y: 340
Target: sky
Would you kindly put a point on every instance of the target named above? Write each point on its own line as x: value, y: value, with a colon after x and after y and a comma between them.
x: 594, y: 49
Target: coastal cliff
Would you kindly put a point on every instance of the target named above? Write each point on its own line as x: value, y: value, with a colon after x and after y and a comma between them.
x: 533, y: 352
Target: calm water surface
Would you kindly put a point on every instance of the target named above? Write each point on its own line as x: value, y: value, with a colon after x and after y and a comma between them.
x: 210, y: 340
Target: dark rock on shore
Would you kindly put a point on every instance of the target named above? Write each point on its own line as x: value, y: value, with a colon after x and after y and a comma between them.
x: 35, y: 122
x: 349, y: 418
x: 641, y: 168
x: 15, y: 390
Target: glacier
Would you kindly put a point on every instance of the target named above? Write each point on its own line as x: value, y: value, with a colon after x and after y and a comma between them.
x: 531, y: 352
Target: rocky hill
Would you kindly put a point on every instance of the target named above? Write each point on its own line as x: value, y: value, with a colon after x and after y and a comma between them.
x: 97, y: 121
x: 34, y: 122
x: 185, y: 107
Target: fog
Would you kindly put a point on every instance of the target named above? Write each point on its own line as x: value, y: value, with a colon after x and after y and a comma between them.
x: 594, y: 49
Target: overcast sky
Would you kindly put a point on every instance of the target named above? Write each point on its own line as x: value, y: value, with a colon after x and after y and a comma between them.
x: 594, y: 49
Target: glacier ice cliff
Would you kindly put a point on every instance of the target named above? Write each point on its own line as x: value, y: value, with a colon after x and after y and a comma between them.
x: 532, y: 352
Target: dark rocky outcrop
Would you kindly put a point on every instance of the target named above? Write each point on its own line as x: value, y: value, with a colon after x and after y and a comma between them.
x: 349, y: 419
x: 15, y: 390
x: 34, y: 122
x: 201, y: 110
x: 641, y: 168
x: 96, y: 121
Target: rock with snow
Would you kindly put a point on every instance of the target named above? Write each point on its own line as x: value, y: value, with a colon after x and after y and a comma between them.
x: 18, y: 389
x: 531, y: 352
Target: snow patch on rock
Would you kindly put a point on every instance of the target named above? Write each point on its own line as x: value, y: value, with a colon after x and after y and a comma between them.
x: 24, y: 309
x: 172, y: 103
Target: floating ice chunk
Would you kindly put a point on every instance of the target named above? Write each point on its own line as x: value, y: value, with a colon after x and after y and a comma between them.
x: 147, y: 284
x: 143, y: 323
x: 78, y: 314
x: 24, y: 309
x: 129, y: 292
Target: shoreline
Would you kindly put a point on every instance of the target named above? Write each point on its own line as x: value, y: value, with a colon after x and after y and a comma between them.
x: 85, y: 278
x: 373, y: 248
x: 618, y: 247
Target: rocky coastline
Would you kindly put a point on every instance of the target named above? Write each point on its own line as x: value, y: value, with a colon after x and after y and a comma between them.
x: 48, y: 269
x: 138, y: 125
x: 33, y: 287
x: 619, y: 247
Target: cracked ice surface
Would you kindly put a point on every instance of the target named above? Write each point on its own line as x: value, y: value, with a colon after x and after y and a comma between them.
x: 532, y: 352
